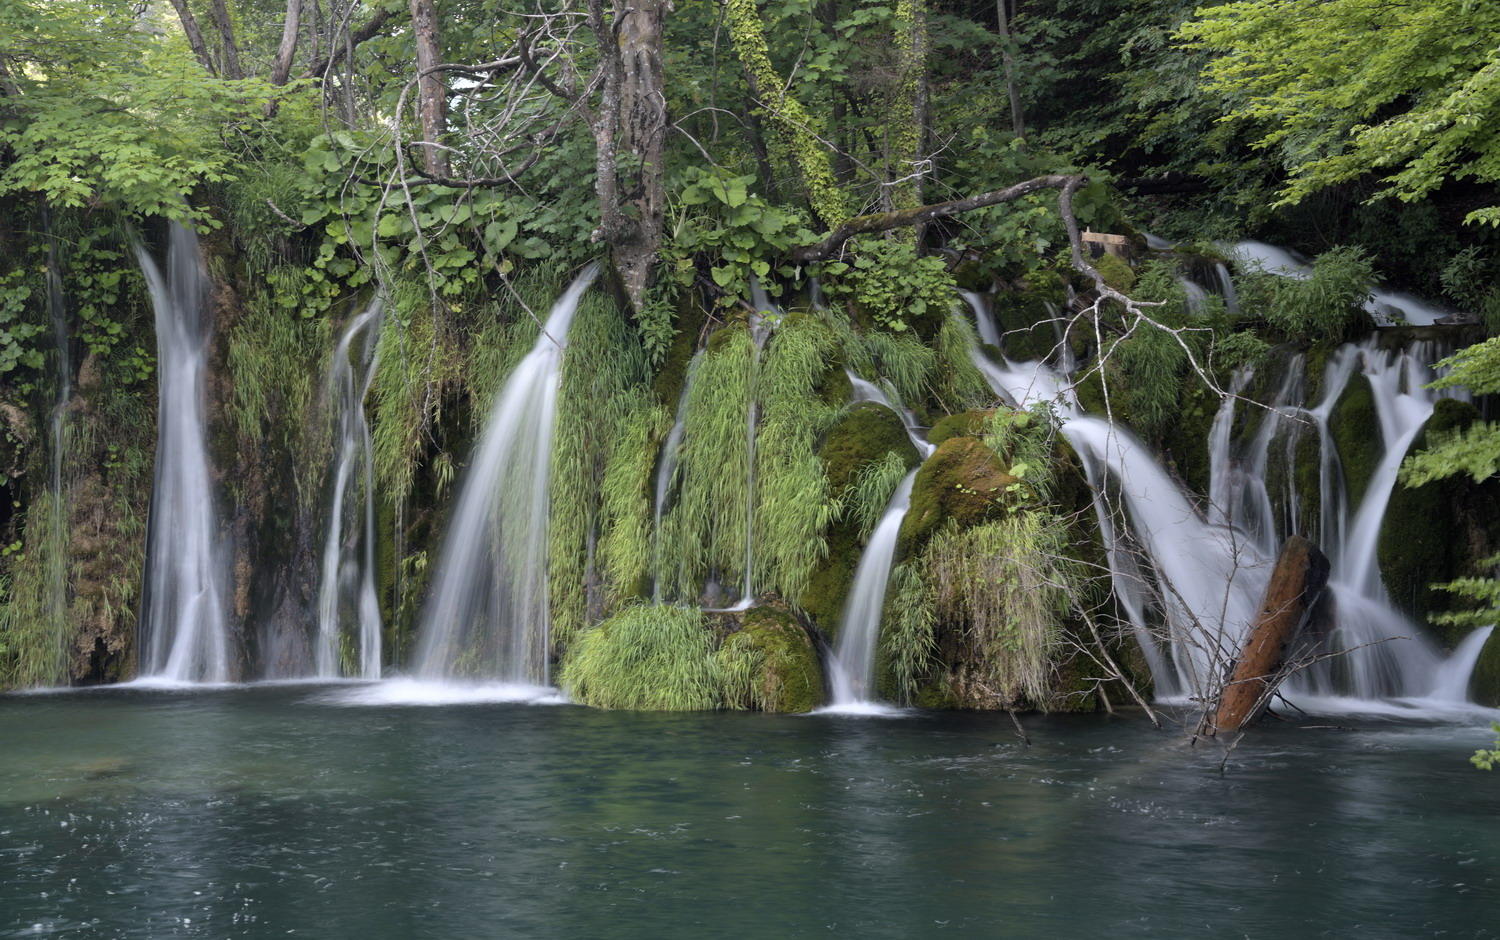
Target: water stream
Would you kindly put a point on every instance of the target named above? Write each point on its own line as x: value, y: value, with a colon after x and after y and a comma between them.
x: 1190, y: 582
x: 487, y: 615
x: 184, y: 629
x: 346, y: 591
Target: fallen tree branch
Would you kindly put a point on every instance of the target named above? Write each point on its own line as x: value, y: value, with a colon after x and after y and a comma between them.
x: 920, y: 215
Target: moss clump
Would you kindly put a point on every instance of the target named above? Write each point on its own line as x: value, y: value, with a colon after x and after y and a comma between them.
x: 648, y: 658
x: 1184, y: 434
x: 1355, y: 428
x: 1116, y: 272
x: 971, y: 423
x: 770, y: 664
x: 1484, y: 687
x: 863, y: 435
x: 963, y: 482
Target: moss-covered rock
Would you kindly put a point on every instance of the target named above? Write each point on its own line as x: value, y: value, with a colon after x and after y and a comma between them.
x: 1023, y: 321
x: 1484, y: 687
x: 866, y: 432
x: 1116, y: 272
x: 1355, y: 428
x: 964, y: 424
x: 863, y: 434
x: 781, y: 673
x: 963, y: 481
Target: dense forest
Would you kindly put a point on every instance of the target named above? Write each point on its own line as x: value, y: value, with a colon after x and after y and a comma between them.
x: 282, y: 395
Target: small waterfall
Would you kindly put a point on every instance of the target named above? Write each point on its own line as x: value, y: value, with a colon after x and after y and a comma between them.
x: 852, y: 669
x: 346, y: 593
x: 487, y: 616
x: 666, y: 472
x: 183, y: 626
x: 869, y: 391
x: 1210, y: 572
x: 57, y: 553
x: 1386, y: 307
x: 984, y: 317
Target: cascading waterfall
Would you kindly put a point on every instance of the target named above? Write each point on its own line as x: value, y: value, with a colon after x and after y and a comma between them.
x: 851, y: 670
x: 183, y: 626
x: 346, y: 592
x: 487, y: 616
x: 666, y: 473
x: 1210, y: 573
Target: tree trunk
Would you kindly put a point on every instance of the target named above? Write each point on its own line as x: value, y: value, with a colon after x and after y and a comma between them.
x: 1017, y: 123
x: 432, y: 92
x: 909, y: 111
x: 229, y: 52
x: 1298, y: 580
x: 642, y: 125
x: 194, y: 35
x: 281, y: 68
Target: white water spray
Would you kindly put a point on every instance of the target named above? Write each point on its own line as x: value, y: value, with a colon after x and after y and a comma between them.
x: 346, y: 593
x: 183, y: 623
x: 487, y: 616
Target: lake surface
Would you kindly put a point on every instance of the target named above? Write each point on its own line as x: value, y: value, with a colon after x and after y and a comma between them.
x: 283, y: 810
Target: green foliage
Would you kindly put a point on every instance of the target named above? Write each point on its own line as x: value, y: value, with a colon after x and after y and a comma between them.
x: 770, y: 665
x: 599, y: 409
x: 103, y: 113
x: 960, y: 385
x: 891, y: 283
x: 34, y: 623
x: 793, y: 502
x: 1321, y: 306
x: 908, y: 640
x: 1024, y: 439
x: 1338, y: 88
x: 797, y: 145
x: 626, y: 551
x: 1487, y: 758
x: 650, y: 658
x: 1473, y: 451
x: 874, y: 485
x: 705, y: 531
x: 735, y: 231
x: 1152, y: 361
x: 1006, y: 587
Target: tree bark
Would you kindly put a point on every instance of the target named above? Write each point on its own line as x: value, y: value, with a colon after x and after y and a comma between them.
x: 432, y: 91
x: 642, y: 106
x: 229, y: 51
x: 281, y: 67
x: 1008, y: 61
x: 1296, y: 583
x: 194, y: 35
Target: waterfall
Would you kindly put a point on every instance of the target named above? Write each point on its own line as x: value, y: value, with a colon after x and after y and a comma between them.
x: 984, y: 317
x: 1386, y: 307
x: 57, y: 552
x: 1190, y: 583
x: 183, y: 625
x: 869, y: 391
x: 852, y: 670
x: 487, y: 616
x: 666, y: 472
x: 346, y: 592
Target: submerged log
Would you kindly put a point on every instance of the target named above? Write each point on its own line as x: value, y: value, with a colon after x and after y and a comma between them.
x: 1297, y: 582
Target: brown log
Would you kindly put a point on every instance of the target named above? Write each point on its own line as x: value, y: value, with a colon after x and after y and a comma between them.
x: 1296, y: 583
